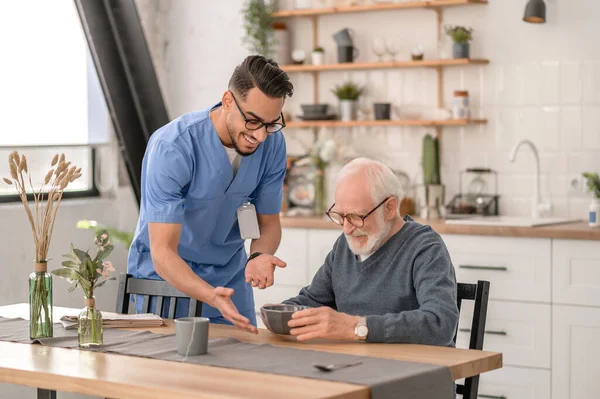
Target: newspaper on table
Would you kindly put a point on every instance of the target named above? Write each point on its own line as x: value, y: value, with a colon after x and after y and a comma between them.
x: 116, y: 320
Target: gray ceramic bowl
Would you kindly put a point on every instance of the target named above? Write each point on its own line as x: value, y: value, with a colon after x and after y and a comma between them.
x: 276, y: 317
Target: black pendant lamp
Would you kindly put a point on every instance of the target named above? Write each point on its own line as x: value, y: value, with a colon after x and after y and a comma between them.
x: 535, y: 12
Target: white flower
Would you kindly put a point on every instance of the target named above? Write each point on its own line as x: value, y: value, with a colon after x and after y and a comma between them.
x: 107, y: 265
x: 327, y: 151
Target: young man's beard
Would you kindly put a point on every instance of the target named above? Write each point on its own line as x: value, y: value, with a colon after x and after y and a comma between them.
x: 232, y: 135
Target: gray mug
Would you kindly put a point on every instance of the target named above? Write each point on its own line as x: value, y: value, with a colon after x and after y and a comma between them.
x: 347, y: 54
x: 191, y: 335
x: 344, y: 37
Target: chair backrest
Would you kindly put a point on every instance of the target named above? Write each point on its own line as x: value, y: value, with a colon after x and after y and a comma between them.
x: 149, y: 289
x: 479, y: 293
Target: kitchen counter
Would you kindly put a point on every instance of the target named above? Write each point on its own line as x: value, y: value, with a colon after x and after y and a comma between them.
x: 569, y: 231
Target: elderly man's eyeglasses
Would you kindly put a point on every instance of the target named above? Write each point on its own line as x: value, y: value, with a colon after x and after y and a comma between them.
x: 354, y: 219
x: 255, y: 124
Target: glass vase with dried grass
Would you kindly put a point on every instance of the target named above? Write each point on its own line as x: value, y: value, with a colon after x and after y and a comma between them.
x: 41, y: 214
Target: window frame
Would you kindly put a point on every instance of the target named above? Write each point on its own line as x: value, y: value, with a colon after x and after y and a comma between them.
x: 92, y: 192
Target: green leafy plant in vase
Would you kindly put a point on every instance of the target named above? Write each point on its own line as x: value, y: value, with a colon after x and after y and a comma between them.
x: 460, y: 36
x: 348, y: 94
x: 41, y: 215
x: 90, y: 274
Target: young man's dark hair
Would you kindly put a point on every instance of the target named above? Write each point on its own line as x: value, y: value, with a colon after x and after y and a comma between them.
x: 265, y: 74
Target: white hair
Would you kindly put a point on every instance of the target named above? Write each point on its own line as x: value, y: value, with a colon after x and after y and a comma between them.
x: 381, y: 180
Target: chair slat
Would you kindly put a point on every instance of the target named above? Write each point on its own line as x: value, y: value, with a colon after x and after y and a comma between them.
x: 172, y: 307
x: 159, y: 305
x: 146, y: 304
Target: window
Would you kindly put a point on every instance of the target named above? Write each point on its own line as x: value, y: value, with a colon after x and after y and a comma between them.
x: 50, y: 98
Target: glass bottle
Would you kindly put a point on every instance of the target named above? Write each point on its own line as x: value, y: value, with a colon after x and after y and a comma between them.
x: 40, y: 302
x: 89, y: 325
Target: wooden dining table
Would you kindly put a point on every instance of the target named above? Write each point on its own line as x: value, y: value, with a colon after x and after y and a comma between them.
x: 119, y: 376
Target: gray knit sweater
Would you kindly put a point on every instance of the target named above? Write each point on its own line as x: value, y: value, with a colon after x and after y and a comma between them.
x: 407, y: 288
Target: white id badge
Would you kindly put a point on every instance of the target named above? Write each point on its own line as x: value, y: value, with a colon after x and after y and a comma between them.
x: 248, y: 222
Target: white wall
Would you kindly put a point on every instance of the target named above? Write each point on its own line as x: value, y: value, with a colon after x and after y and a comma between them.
x: 542, y: 83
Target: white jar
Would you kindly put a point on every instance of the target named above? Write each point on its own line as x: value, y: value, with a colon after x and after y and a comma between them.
x: 594, y: 213
x: 460, y: 105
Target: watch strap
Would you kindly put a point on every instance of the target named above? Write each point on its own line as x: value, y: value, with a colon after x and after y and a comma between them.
x: 254, y: 255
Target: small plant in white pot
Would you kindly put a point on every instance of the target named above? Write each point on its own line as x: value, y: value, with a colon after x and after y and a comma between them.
x: 348, y: 94
x: 460, y: 36
x: 318, y: 56
x: 593, y: 183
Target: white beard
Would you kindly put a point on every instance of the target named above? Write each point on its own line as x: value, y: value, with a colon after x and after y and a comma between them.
x: 374, y: 241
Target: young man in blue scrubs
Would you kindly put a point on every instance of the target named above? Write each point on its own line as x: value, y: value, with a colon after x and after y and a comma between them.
x: 197, y: 171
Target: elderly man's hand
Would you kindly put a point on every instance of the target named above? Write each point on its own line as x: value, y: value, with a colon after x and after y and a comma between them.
x: 260, y: 270
x: 323, y: 322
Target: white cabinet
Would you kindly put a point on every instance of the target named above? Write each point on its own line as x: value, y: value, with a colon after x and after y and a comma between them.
x: 519, y: 330
x: 518, y: 268
x: 575, y: 352
x: 320, y: 243
x: 293, y: 250
x: 576, y: 272
x: 515, y: 383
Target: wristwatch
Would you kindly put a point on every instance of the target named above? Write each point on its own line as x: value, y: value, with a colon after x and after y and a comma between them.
x: 361, y: 329
x: 254, y: 255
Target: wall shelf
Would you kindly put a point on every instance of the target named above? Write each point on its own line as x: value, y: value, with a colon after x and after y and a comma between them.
x: 384, y: 65
x: 313, y: 12
x: 383, y: 123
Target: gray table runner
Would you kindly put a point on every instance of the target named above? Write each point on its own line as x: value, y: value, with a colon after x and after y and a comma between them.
x: 385, y: 377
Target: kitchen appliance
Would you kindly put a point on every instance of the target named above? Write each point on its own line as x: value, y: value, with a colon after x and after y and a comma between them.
x: 475, y: 201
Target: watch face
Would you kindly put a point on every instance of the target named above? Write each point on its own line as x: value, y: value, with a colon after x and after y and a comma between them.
x: 363, y: 331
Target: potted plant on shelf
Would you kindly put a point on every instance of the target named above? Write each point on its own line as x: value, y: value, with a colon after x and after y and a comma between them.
x: 318, y: 56
x: 593, y: 183
x: 90, y: 274
x: 348, y: 94
x: 41, y: 218
x: 258, y: 25
x: 460, y: 36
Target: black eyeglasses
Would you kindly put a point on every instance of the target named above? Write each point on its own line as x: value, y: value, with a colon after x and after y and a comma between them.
x: 354, y: 219
x: 255, y: 124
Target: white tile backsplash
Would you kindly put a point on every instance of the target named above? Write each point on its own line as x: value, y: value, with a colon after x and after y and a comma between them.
x: 591, y: 82
x: 549, y: 79
x: 571, y: 82
x: 591, y: 127
x: 531, y: 88
x: 570, y: 122
x: 583, y: 162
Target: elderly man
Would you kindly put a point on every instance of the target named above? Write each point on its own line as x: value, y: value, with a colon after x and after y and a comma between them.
x: 387, y: 279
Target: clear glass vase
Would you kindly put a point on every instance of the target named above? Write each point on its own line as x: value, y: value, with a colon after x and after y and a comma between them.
x: 40, y: 302
x: 89, y: 325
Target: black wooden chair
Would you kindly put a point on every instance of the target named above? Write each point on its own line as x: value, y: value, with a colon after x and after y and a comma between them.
x: 159, y: 289
x: 479, y: 293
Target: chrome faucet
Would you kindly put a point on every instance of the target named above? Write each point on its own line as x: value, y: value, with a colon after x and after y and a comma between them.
x: 536, y: 201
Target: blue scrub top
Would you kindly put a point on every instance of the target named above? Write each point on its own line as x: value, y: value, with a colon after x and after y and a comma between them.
x: 187, y: 178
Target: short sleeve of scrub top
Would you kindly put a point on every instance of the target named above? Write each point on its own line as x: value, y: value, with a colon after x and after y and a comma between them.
x: 269, y: 193
x: 167, y: 174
